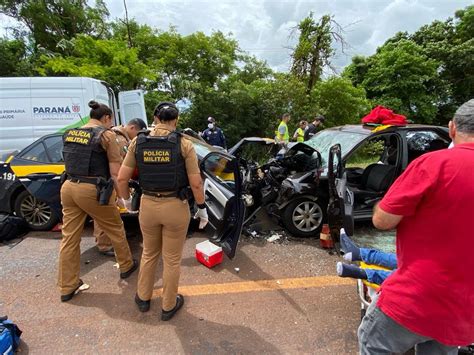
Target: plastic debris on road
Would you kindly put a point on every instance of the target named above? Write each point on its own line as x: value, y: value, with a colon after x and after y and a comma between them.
x: 83, y: 288
x: 274, y: 237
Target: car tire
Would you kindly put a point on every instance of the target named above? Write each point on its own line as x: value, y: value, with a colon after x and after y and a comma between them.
x: 38, y: 215
x: 304, y: 217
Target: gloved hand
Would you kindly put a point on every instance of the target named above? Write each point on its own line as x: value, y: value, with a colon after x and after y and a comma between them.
x: 127, y: 204
x: 203, y: 217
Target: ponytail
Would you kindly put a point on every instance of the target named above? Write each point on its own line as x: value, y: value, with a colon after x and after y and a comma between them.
x: 99, y: 110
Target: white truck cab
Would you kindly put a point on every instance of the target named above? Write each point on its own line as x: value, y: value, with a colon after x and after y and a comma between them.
x: 31, y: 107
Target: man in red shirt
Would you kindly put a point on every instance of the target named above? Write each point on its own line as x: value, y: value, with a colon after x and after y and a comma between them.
x: 428, y: 302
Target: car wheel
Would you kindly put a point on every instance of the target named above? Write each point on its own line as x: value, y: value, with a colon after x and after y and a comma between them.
x: 304, y: 218
x: 37, y: 214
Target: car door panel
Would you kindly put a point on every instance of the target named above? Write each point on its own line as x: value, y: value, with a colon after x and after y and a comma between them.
x: 45, y: 188
x: 222, y: 188
x: 9, y: 183
x: 215, y: 201
x: 341, y: 198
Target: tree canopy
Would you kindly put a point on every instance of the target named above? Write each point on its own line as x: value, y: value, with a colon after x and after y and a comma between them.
x: 50, y: 21
x: 425, y: 75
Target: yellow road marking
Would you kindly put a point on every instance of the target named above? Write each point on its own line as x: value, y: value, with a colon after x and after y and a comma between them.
x: 261, y: 285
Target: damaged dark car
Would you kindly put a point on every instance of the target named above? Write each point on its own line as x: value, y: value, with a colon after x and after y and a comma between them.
x: 293, y: 187
x: 285, y: 186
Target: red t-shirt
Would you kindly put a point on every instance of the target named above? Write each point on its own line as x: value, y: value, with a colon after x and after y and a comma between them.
x: 432, y: 291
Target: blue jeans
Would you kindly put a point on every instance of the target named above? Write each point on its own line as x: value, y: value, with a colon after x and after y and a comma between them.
x: 377, y: 276
x: 377, y: 257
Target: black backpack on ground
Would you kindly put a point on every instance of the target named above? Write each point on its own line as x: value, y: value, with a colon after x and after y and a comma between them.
x: 12, y: 227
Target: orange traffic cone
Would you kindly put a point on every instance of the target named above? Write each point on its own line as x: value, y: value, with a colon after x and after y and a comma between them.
x: 325, y: 239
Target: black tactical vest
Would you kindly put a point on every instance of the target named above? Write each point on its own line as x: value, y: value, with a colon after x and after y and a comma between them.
x: 161, y: 167
x: 83, y: 152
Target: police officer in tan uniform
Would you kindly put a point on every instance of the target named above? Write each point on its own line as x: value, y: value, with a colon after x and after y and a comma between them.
x: 92, y: 160
x: 124, y: 134
x: 167, y: 165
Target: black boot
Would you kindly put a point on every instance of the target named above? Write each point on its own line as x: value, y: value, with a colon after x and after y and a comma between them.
x: 143, y: 306
x: 69, y: 296
x: 167, y: 315
x: 124, y: 275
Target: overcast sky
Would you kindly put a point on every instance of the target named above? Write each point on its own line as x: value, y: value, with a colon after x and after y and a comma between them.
x: 263, y: 27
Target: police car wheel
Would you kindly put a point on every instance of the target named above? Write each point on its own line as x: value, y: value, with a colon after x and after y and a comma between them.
x: 37, y: 214
x: 304, y: 218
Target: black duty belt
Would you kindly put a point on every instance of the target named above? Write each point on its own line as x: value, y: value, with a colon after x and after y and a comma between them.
x: 86, y: 180
x: 159, y: 194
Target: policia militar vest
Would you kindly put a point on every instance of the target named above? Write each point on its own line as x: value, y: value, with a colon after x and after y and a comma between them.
x: 161, y: 167
x: 83, y: 153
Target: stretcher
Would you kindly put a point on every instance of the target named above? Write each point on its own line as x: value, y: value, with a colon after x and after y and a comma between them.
x: 367, y: 290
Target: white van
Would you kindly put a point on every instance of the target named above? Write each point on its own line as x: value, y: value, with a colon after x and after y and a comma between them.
x: 34, y: 106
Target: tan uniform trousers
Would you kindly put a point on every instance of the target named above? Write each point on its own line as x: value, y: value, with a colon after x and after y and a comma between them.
x: 103, y: 241
x: 80, y: 200
x: 164, y: 223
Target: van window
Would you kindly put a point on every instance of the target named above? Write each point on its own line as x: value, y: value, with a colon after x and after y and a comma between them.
x: 54, y: 147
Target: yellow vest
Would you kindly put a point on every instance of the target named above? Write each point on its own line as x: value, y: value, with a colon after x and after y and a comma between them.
x: 300, y: 135
x: 285, y: 137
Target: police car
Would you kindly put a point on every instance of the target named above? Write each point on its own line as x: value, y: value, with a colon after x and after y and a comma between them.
x: 30, y: 187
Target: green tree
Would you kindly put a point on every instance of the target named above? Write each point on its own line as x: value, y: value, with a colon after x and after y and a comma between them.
x: 108, y: 60
x: 401, y: 77
x: 450, y: 44
x: 465, y: 23
x: 182, y: 65
x: 357, y: 70
x: 249, y: 108
x: 314, y: 49
x: 50, y: 21
x: 340, y: 102
x: 15, y: 58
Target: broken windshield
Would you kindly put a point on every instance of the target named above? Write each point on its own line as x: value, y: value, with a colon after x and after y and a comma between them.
x: 324, y: 140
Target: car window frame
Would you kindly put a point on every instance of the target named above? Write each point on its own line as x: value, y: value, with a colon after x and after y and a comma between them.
x: 47, y: 150
x: 34, y: 145
x: 436, y: 130
x: 24, y: 151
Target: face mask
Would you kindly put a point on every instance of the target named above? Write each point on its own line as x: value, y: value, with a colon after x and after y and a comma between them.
x: 210, y: 125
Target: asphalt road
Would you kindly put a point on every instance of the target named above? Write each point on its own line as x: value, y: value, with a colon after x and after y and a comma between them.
x: 280, y: 297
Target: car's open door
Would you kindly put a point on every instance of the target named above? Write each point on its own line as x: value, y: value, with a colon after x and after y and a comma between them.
x: 223, y: 190
x: 341, y: 198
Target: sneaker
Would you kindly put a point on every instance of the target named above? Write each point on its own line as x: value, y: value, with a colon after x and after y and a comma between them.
x: 348, y: 247
x: 167, y: 315
x: 143, y: 306
x: 124, y: 275
x: 69, y: 296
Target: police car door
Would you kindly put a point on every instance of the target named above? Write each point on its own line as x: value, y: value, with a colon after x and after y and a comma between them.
x: 341, y: 198
x: 223, y: 191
